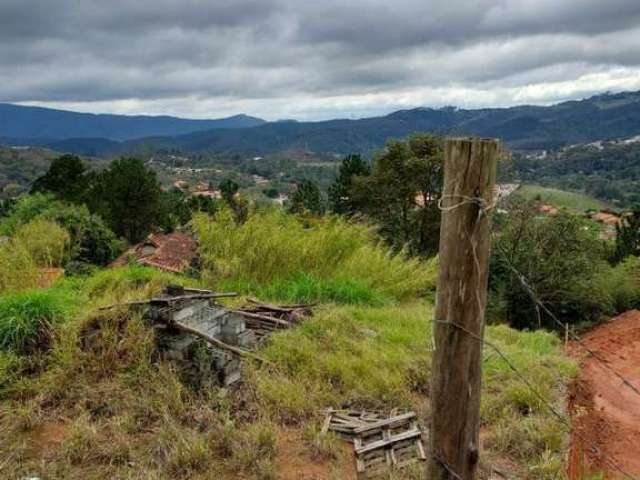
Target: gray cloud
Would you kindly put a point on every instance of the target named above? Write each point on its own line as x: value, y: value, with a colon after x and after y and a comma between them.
x: 312, y: 59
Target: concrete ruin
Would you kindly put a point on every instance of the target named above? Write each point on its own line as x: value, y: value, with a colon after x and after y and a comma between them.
x: 199, y: 361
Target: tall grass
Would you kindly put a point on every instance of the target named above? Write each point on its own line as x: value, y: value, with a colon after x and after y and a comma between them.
x: 279, y: 249
x: 127, y: 283
x: 46, y: 241
x: 27, y: 317
x: 17, y: 268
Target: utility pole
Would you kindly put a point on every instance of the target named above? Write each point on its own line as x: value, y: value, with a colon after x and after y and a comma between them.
x: 465, y: 241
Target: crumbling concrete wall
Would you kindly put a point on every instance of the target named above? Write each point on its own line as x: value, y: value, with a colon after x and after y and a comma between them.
x: 198, y: 361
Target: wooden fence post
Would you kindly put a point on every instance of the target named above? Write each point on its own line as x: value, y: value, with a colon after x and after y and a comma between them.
x: 465, y: 240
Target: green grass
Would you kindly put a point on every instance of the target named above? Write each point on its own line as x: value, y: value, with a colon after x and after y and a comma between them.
x: 380, y: 358
x: 368, y: 345
x: 272, y: 248
x: 561, y: 198
x: 123, y: 284
x: 28, y: 317
x: 305, y: 288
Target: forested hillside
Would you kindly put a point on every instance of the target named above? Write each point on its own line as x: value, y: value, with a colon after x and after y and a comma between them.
x: 608, y: 171
x: 41, y: 125
x: 523, y: 127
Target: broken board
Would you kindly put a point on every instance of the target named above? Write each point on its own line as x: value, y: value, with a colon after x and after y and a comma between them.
x: 380, y: 442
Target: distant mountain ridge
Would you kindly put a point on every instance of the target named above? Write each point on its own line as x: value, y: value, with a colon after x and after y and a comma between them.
x: 37, y: 123
x: 600, y: 117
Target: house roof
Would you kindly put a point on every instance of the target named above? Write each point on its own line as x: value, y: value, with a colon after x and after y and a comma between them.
x: 173, y: 252
x: 606, y: 218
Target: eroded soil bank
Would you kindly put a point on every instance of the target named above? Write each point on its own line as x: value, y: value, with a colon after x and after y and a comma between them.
x: 605, y: 412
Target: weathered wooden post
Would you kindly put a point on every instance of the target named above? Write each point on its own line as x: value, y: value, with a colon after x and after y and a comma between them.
x: 465, y: 240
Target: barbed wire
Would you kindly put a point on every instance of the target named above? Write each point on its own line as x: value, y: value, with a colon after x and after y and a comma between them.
x: 540, y: 305
x: 483, y: 208
x: 546, y: 403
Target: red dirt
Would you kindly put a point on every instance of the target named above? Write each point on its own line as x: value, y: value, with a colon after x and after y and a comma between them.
x: 605, y: 412
x: 293, y: 460
x: 47, y: 438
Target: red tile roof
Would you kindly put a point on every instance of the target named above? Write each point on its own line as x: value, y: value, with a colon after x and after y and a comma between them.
x: 173, y: 252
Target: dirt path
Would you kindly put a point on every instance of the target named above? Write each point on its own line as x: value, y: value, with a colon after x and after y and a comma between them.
x: 605, y: 412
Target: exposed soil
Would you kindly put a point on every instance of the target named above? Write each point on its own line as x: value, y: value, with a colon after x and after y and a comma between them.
x: 47, y: 438
x: 605, y: 412
x: 294, y: 460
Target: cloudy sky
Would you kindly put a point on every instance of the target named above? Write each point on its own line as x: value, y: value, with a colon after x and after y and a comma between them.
x: 312, y: 59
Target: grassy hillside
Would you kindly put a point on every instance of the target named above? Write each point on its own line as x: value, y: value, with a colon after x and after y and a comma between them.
x: 84, y: 396
x: 561, y: 198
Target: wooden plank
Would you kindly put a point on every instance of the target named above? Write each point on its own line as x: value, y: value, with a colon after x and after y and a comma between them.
x: 384, y: 443
x: 264, y: 318
x: 387, y: 422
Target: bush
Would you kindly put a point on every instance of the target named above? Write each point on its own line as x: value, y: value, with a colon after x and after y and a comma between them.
x: 26, y: 318
x: 90, y: 239
x: 273, y: 247
x: 46, y: 242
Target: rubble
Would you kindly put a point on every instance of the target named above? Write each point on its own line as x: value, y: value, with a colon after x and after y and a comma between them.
x: 206, y: 340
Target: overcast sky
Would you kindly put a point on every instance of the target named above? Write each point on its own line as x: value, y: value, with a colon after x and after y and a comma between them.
x: 312, y: 59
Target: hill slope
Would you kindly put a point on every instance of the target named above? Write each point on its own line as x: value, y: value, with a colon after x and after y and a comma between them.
x: 30, y: 123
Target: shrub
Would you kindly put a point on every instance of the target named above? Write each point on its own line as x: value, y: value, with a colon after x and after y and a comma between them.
x: 90, y: 239
x: 273, y: 247
x: 46, y: 242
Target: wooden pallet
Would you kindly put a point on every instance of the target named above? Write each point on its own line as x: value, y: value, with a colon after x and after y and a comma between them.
x: 380, y: 442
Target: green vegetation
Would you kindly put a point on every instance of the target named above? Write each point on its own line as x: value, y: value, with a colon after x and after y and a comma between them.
x: 18, y: 270
x: 341, y: 192
x: 46, y: 241
x: 91, y: 241
x: 307, y: 198
x: 560, y: 198
x: 608, y: 171
x: 27, y: 318
x: 565, y: 263
x: 628, y: 236
x: 110, y: 392
x: 399, y: 194
x: 288, y: 253
x: 93, y: 376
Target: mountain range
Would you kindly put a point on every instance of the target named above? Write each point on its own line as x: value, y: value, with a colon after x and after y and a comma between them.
x: 601, y: 117
x: 37, y: 123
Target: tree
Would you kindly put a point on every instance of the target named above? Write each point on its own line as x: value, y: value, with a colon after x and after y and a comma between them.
x: 307, y: 197
x: 628, y: 236
x: 175, y: 209
x: 340, y: 192
x: 401, y: 193
x: 127, y: 195
x: 559, y: 257
x: 91, y: 241
x: 66, y: 178
x: 228, y: 189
